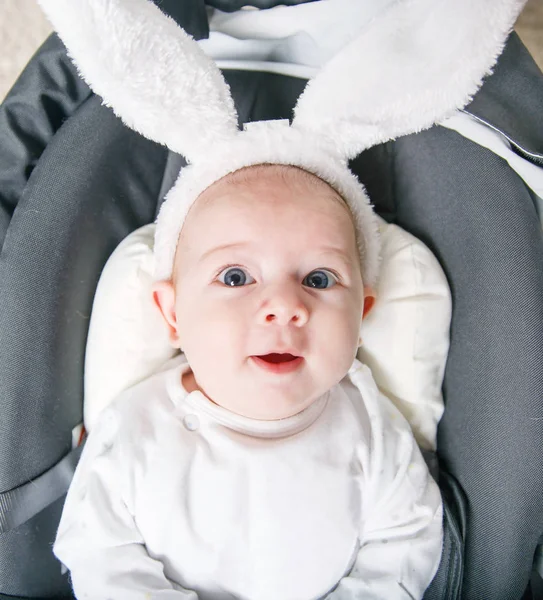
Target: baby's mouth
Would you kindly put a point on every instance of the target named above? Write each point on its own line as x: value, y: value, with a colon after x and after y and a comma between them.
x: 276, y: 358
x: 279, y: 363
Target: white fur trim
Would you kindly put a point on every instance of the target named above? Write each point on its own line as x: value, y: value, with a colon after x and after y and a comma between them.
x: 266, y: 142
x: 149, y: 70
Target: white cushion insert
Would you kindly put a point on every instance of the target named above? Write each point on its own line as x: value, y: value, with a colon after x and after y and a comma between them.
x: 405, y: 336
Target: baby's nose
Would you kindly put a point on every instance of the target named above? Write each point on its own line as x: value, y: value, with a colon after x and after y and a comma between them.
x: 284, y: 307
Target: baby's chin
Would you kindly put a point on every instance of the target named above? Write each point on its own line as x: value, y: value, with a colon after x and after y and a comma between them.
x: 266, y: 407
x: 271, y: 406
x: 265, y: 394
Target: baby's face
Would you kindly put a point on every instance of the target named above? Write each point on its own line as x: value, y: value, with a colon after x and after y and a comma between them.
x: 265, y: 267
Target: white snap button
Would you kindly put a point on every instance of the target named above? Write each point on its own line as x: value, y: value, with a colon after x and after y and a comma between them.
x: 191, y: 422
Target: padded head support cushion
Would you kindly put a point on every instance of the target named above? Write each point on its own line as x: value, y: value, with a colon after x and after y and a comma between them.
x: 405, y: 337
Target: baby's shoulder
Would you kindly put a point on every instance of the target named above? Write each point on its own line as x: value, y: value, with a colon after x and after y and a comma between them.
x: 361, y: 388
x: 145, y: 401
x: 391, y: 441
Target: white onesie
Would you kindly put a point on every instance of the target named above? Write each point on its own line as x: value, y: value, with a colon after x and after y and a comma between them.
x: 176, y: 497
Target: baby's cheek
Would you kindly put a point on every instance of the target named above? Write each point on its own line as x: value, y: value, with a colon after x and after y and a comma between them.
x: 225, y: 330
x: 341, y: 341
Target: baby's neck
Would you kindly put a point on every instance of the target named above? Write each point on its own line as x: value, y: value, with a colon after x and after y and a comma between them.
x: 188, y: 381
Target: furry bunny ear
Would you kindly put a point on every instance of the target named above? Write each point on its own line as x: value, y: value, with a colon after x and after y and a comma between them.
x: 151, y: 72
x: 410, y: 67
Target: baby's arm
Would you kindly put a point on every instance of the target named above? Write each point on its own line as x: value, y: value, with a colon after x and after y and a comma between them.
x: 402, y: 536
x: 98, y: 540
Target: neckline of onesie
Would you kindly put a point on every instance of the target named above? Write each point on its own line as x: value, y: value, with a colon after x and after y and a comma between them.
x: 246, y: 425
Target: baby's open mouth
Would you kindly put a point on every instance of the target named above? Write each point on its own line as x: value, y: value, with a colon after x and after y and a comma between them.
x: 276, y: 358
x: 279, y: 363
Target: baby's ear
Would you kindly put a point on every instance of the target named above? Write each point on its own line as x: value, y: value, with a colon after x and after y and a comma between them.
x: 164, y: 298
x: 369, y: 301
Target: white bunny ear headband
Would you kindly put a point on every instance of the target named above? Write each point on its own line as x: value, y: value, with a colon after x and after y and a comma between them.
x: 410, y: 67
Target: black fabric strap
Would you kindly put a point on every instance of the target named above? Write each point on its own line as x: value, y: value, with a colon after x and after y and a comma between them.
x: 235, y: 5
x: 447, y: 583
x: 24, y: 502
x: 192, y: 16
x: 538, y: 559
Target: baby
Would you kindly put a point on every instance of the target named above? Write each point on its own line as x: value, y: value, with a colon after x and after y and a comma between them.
x: 264, y: 463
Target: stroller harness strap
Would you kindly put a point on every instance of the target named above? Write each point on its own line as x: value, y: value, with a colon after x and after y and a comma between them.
x: 19, y: 505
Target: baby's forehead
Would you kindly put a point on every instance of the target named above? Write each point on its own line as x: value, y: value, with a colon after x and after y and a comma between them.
x: 204, y: 228
x: 263, y: 191
x: 269, y: 197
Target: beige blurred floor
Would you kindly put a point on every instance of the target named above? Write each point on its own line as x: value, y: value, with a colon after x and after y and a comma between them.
x: 23, y: 29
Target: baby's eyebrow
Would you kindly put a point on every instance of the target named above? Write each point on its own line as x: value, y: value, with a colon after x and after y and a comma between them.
x: 222, y: 247
x: 340, y: 253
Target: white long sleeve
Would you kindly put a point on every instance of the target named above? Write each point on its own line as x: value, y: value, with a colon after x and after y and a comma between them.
x: 402, y: 525
x: 402, y: 537
x: 98, y: 541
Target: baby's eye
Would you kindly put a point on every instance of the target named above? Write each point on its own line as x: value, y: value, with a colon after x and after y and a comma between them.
x: 320, y: 279
x: 235, y: 277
